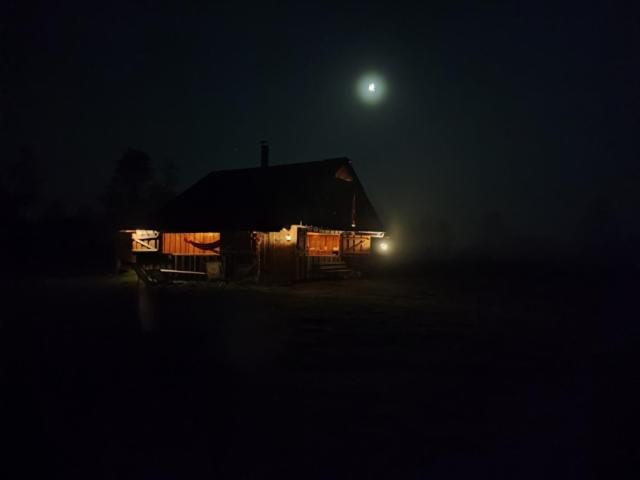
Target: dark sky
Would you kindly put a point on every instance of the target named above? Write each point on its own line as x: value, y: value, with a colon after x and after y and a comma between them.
x: 525, y: 108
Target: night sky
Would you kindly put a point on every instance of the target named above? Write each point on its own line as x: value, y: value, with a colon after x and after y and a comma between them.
x: 522, y: 108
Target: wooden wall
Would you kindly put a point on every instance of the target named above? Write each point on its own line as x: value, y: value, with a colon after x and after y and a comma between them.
x: 322, y: 244
x: 356, y: 245
x: 176, y: 243
x: 239, y: 251
x: 286, y: 255
x: 144, y: 240
x: 238, y: 242
x: 279, y: 255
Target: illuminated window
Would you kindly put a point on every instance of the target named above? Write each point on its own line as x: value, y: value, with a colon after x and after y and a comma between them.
x: 321, y: 244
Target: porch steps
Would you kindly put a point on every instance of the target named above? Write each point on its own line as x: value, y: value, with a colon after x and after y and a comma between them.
x: 331, y: 270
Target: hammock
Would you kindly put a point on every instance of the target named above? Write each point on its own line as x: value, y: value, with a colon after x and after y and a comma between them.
x: 204, y: 246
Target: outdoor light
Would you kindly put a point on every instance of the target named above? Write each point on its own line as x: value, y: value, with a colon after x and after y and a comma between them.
x: 383, y: 246
x: 372, y: 87
x: 288, y: 237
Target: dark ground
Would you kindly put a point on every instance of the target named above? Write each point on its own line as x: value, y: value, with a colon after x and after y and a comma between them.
x: 460, y: 372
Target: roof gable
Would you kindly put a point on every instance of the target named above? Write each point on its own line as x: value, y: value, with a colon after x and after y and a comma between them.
x: 317, y: 193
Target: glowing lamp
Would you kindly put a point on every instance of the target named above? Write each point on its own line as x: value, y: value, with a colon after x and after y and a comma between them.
x: 288, y: 237
x: 384, y: 246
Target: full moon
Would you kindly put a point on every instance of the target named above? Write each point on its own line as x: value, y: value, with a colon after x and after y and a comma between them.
x: 371, y: 87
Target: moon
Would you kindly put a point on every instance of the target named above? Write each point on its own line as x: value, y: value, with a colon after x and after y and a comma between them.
x: 371, y: 88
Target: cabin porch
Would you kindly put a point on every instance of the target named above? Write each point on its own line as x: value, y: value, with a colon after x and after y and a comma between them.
x: 291, y: 254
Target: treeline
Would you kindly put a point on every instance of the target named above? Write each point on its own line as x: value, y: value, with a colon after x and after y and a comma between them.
x: 40, y: 236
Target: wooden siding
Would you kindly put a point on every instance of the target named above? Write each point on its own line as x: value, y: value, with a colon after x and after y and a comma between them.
x: 144, y: 241
x: 278, y: 255
x: 356, y: 245
x: 176, y: 243
x: 239, y: 251
x: 321, y: 244
x: 237, y: 243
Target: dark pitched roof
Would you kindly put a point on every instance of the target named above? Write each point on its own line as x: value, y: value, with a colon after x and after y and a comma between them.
x: 316, y: 193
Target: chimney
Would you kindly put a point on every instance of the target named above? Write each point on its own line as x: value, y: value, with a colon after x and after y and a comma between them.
x: 264, y: 154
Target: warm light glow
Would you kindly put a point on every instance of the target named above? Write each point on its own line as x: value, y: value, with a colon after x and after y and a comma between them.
x: 288, y: 237
x: 384, y: 246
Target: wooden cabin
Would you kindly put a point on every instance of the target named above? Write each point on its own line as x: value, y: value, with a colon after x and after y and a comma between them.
x: 270, y: 223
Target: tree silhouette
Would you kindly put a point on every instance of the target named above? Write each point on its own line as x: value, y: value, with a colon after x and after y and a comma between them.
x: 169, y: 175
x: 163, y: 188
x: 127, y: 193
x: 134, y: 192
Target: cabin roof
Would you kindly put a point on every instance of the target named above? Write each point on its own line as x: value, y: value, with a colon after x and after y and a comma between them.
x: 319, y: 193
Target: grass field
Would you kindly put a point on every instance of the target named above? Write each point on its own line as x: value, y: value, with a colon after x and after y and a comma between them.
x: 454, y: 373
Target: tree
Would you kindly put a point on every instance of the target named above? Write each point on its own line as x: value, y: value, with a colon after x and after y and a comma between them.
x: 163, y: 188
x: 135, y: 190
x: 126, y: 198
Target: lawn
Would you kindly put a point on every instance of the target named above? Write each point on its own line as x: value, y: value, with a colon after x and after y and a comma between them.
x: 455, y: 372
